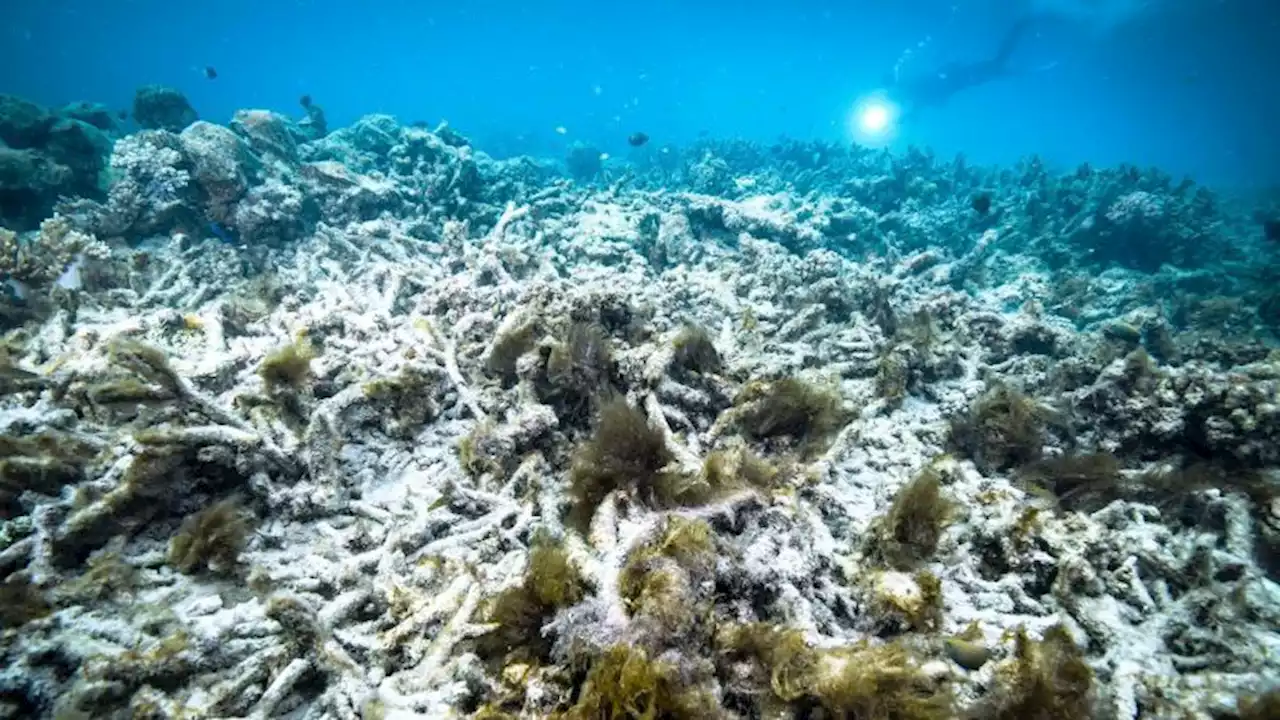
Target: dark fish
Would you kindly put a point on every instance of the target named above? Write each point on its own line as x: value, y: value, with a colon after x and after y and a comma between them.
x: 1271, y: 229
x: 637, y: 139
x: 305, y: 101
x: 981, y: 203
x: 222, y: 233
x: 123, y: 114
x: 210, y: 72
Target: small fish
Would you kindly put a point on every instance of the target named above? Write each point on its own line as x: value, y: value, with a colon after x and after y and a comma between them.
x: 18, y: 290
x: 1271, y: 229
x: 305, y: 101
x: 123, y: 114
x: 637, y: 139
x: 604, y: 156
x: 981, y: 203
x: 562, y: 130
x: 211, y: 72
x: 70, y: 278
x: 222, y: 233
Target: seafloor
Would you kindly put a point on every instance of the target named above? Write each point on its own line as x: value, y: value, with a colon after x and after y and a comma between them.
x: 366, y: 424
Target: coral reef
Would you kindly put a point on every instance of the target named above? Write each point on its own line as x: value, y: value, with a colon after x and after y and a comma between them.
x: 300, y: 421
x: 158, y: 107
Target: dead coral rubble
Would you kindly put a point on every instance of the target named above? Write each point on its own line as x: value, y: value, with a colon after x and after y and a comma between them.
x: 370, y: 424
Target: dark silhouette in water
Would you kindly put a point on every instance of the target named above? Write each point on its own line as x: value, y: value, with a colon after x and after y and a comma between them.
x: 981, y: 203
x: 314, y: 125
x: 935, y: 88
x: 1271, y: 228
x: 637, y: 139
x: 210, y: 72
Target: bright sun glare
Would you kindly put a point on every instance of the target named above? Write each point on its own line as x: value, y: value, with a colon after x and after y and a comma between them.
x: 874, y: 120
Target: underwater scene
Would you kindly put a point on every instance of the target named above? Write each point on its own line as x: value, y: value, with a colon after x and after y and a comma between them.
x: 806, y: 360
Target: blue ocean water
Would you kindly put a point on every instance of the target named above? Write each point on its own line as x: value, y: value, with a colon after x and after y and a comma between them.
x: 1184, y: 84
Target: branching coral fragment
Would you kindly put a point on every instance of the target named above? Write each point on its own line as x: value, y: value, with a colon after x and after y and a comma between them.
x: 151, y: 364
x: 446, y: 352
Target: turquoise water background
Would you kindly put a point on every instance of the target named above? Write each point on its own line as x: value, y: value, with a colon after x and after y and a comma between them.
x: 1188, y: 85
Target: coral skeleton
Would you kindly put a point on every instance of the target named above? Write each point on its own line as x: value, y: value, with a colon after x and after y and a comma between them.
x: 362, y: 422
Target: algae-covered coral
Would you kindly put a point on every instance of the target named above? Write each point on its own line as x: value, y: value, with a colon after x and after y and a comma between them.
x: 624, y: 454
x: 368, y: 422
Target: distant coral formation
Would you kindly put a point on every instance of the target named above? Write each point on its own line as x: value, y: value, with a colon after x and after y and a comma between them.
x: 46, y: 154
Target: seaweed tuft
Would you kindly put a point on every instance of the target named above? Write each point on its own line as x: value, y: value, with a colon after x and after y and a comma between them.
x: 908, y: 533
x: 893, y: 375
x: 43, y: 463
x: 694, y: 352
x: 1259, y: 707
x: 14, y: 379
x: 865, y: 681
x: 658, y: 580
x: 551, y: 582
x: 1078, y: 482
x: 583, y: 361
x: 1003, y: 429
x: 509, y: 345
x: 212, y: 538
x: 21, y: 601
x: 792, y: 408
x: 1048, y: 680
x: 879, y: 682
x: 625, y: 682
x: 406, y: 400
x: 625, y: 454
x: 578, y: 372
x: 128, y: 390
x: 725, y: 471
x: 288, y: 367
